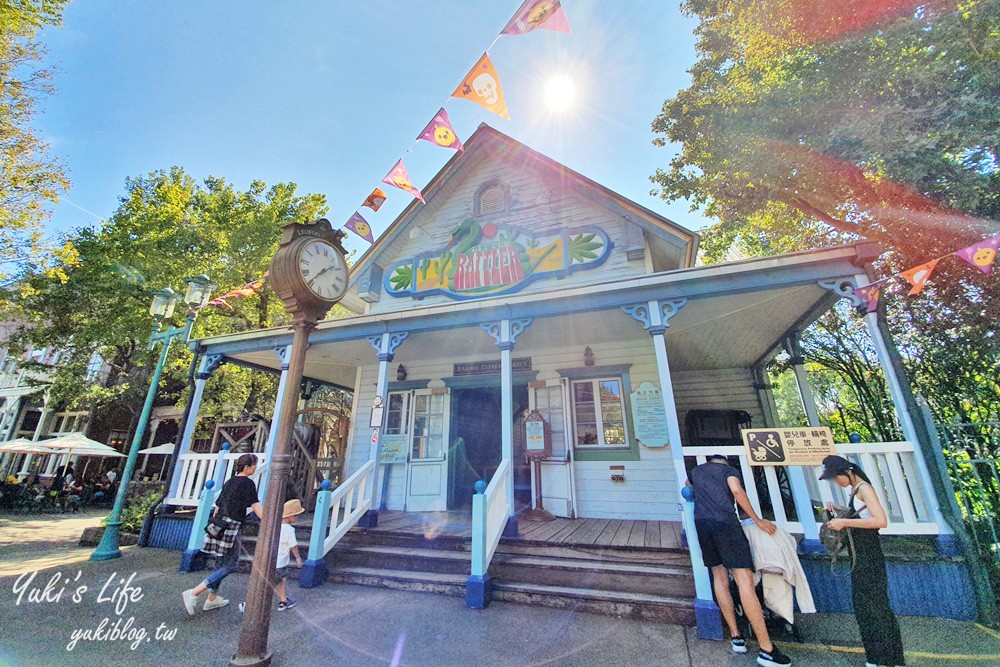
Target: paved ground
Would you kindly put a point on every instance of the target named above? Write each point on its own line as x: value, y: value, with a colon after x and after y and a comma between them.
x: 37, y: 541
x: 358, y: 626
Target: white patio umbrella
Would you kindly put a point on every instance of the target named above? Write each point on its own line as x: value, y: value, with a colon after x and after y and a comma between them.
x: 22, y: 446
x: 165, y: 448
x: 77, y: 444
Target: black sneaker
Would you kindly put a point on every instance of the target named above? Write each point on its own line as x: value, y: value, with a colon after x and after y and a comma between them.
x: 739, y: 644
x: 287, y: 604
x: 772, y: 658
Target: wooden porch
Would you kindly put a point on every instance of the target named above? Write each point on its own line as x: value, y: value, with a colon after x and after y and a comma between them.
x: 569, y: 532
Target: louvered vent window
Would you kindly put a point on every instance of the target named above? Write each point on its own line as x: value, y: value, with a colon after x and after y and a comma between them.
x: 491, y: 200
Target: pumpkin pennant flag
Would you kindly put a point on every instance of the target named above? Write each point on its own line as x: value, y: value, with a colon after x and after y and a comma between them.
x: 918, y: 275
x: 440, y: 132
x: 398, y: 178
x: 981, y: 255
x: 546, y: 14
x: 360, y: 226
x: 870, y: 294
x: 482, y: 86
x: 375, y: 199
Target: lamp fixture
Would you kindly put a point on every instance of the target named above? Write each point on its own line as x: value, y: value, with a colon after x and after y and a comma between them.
x: 401, y: 373
x: 588, y: 356
x: 163, y: 304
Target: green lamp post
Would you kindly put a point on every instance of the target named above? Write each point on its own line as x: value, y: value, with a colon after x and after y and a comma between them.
x: 199, y: 291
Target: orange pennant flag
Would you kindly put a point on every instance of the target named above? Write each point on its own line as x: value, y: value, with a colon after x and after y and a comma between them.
x: 482, y: 86
x: 918, y: 275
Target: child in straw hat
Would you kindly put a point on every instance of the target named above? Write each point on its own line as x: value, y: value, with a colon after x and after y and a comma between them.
x: 287, y: 545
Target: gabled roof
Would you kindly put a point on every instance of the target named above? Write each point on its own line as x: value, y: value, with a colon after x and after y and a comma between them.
x: 486, y: 140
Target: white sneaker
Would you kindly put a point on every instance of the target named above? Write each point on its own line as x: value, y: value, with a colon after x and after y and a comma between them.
x: 219, y: 601
x: 190, y: 601
x: 243, y: 607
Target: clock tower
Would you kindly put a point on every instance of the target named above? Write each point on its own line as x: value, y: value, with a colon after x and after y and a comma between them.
x: 309, y: 274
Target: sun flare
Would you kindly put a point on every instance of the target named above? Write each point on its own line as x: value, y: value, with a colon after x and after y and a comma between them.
x: 560, y: 93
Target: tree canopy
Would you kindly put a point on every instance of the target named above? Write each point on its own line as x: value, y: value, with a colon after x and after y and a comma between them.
x: 30, y: 176
x: 166, y: 228
x: 818, y: 123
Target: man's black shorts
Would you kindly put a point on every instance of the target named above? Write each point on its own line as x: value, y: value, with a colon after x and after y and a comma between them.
x: 724, y: 543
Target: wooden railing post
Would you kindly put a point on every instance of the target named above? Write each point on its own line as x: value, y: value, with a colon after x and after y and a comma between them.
x: 478, y: 590
x: 314, y: 569
x: 193, y: 559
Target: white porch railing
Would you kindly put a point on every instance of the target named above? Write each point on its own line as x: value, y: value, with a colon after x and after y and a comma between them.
x: 196, y: 469
x: 340, y: 509
x: 489, y: 517
x: 891, y: 466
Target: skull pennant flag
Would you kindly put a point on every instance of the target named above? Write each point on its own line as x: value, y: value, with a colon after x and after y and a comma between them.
x: 870, y: 294
x: 546, y: 14
x: 360, y: 226
x: 398, y: 178
x: 981, y: 255
x: 440, y: 132
x: 918, y: 275
x: 375, y: 199
x: 482, y: 86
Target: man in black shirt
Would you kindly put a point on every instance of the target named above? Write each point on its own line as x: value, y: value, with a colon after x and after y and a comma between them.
x: 725, y: 549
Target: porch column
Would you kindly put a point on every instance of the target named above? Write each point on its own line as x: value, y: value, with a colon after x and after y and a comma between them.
x: 946, y: 538
x: 36, y: 436
x: 284, y: 356
x: 208, y: 364
x: 385, y: 347
x: 505, y: 333
x: 800, y: 486
x: 655, y: 318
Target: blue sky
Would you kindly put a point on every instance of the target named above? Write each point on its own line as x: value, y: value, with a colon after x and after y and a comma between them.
x: 330, y: 94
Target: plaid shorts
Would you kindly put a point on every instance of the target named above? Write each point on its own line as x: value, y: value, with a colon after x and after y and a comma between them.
x: 280, y: 574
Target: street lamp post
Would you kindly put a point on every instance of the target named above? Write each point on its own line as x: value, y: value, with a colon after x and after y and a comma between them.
x: 199, y: 290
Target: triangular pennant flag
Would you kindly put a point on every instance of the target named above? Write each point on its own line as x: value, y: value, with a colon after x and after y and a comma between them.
x: 440, y: 132
x: 547, y: 14
x: 482, y: 86
x: 918, y: 275
x: 398, y: 178
x: 360, y: 226
x: 981, y: 255
x: 375, y: 199
x: 870, y: 293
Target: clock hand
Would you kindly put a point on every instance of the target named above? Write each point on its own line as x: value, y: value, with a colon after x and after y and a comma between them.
x: 322, y: 271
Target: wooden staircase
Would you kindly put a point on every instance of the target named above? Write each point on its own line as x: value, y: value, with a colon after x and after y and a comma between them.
x: 654, y: 584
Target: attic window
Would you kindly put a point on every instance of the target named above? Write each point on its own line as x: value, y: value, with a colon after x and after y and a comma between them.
x: 492, y: 199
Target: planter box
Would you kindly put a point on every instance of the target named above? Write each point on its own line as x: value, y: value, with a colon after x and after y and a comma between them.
x: 92, y: 537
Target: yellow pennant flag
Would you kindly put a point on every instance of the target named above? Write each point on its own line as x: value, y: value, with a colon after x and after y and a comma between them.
x: 482, y: 86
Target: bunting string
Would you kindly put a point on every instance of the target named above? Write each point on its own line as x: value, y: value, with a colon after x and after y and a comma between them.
x: 981, y: 255
x: 482, y: 86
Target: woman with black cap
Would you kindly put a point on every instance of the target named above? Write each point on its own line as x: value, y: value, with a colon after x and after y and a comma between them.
x: 878, y: 625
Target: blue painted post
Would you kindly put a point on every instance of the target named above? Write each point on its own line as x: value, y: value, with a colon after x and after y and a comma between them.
x: 478, y: 589
x: 220, y: 468
x: 314, y: 569
x: 706, y: 612
x: 193, y: 560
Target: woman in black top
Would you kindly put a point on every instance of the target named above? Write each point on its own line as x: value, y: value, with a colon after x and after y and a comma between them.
x: 876, y: 622
x: 238, y: 495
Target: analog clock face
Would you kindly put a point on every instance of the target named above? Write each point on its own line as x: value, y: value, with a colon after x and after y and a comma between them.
x: 323, y: 270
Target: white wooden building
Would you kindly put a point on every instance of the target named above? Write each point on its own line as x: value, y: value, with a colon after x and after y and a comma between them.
x: 523, y: 285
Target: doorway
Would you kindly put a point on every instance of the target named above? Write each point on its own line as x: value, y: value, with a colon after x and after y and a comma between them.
x: 475, y: 451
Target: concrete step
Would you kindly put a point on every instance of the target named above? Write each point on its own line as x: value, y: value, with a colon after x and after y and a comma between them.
x: 658, y: 608
x: 595, y: 575
x: 438, y: 561
x: 403, y: 580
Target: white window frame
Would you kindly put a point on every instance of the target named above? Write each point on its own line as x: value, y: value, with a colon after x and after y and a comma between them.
x: 598, y: 413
